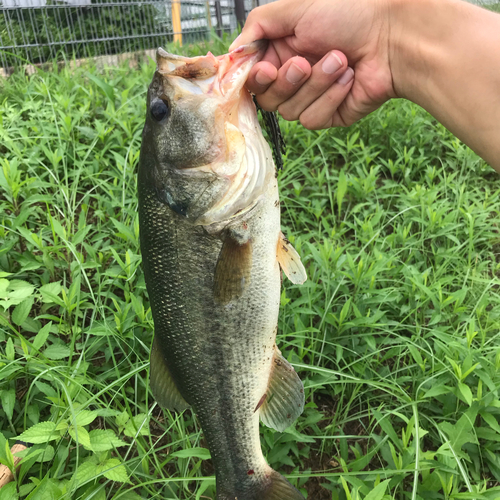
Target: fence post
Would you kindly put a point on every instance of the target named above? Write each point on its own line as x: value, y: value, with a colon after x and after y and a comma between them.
x: 209, y: 15
x: 218, y: 15
x: 239, y: 9
x: 176, y: 21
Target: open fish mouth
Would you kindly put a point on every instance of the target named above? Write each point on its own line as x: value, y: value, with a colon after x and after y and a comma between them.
x: 211, y: 133
x: 220, y: 75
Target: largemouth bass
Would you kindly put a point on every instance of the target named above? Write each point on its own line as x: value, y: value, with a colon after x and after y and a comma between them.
x: 212, y: 250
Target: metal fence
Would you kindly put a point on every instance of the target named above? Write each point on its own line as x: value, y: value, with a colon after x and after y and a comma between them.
x: 37, y: 31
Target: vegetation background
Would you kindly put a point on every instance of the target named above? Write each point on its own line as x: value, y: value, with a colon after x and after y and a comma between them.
x: 395, y: 334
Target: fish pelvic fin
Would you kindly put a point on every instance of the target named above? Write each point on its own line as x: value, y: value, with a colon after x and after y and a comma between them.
x: 162, y: 384
x: 290, y: 262
x: 274, y: 487
x: 284, y: 400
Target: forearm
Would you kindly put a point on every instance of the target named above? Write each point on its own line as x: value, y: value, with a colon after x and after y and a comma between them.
x: 445, y: 56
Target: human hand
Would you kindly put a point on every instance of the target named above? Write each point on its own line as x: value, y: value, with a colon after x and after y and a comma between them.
x: 304, y: 73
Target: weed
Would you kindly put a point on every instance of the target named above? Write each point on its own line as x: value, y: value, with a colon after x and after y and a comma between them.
x: 395, y: 334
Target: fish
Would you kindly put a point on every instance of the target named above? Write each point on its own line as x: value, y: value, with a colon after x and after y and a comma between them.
x: 213, y: 252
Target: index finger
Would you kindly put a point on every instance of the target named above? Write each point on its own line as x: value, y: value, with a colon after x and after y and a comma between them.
x: 270, y: 21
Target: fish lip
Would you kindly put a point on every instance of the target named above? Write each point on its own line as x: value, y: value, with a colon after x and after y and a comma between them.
x: 257, y: 47
x: 235, y: 66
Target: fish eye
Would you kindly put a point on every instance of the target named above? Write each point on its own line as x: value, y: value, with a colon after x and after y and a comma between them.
x: 160, y: 109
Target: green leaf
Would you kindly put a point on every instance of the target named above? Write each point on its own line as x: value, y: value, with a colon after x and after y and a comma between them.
x: 3, y: 446
x: 46, y: 455
x: 20, y: 290
x: 490, y: 420
x: 106, y: 88
x: 85, y: 472
x: 22, y: 311
x: 462, y: 432
x: 8, y: 401
x: 341, y: 189
x: 46, y: 389
x: 9, y: 492
x: 9, y: 350
x: 85, y: 417
x: 57, y: 351
x: 202, y: 453
x: 139, y: 422
x: 104, y: 440
x: 40, y: 433
x: 466, y: 392
x: 379, y: 491
x: 437, y: 390
x: 80, y: 435
x: 59, y: 229
x: 387, y: 428
x: 50, y: 293
x: 41, y: 336
x: 113, y: 469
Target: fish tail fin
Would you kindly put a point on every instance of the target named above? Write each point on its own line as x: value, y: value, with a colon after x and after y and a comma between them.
x: 278, y: 489
x: 272, y: 487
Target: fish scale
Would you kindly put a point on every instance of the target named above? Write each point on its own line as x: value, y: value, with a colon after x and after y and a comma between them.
x: 236, y: 340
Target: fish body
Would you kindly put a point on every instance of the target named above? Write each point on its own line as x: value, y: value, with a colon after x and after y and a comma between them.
x: 210, y: 236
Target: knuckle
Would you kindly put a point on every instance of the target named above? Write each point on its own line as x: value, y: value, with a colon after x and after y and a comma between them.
x: 267, y: 105
x: 344, y: 119
x: 309, y: 122
x: 287, y: 113
x: 332, y: 100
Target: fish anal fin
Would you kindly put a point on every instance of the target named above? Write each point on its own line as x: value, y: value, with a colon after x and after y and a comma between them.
x: 162, y: 384
x: 285, y: 395
x: 290, y: 262
x: 233, y: 270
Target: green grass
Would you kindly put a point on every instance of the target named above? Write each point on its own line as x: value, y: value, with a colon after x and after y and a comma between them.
x: 395, y: 334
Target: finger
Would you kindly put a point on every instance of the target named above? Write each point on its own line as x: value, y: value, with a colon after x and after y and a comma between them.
x: 289, y: 79
x: 324, y: 74
x: 261, y: 76
x: 273, y: 20
x: 322, y: 113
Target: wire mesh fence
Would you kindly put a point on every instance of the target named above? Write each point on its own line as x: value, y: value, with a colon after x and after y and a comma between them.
x: 38, y: 31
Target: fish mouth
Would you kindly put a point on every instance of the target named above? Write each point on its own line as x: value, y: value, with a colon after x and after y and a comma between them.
x: 236, y: 65
x: 223, y: 75
x: 212, y: 90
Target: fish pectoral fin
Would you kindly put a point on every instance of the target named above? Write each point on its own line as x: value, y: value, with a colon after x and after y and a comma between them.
x: 162, y: 384
x: 233, y: 270
x: 290, y: 262
x: 285, y: 395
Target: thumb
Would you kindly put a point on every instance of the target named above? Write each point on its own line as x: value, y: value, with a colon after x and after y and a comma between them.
x: 270, y: 21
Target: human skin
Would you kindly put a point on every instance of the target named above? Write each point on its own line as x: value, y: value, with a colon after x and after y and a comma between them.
x: 440, y: 54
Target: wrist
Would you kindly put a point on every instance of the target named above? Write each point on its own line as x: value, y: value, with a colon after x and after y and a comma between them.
x: 418, y: 41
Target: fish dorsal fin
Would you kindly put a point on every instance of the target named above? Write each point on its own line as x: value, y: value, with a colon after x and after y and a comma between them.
x: 233, y: 270
x: 284, y: 400
x: 290, y: 261
x: 162, y: 384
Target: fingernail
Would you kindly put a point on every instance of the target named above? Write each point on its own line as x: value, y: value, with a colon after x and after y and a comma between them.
x: 294, y: 73
x: 346, y: 77
x: 235, y: 43
x: 262, y: 78
x: 331, y: 64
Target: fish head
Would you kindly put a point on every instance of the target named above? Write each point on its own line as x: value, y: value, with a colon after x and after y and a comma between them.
x: 202, y: 137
